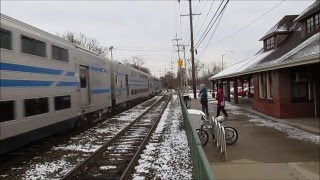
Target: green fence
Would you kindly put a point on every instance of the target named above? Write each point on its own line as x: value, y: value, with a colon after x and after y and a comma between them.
x: 201, y: 166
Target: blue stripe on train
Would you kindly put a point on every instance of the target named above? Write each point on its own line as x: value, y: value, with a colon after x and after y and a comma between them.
x: 32, y: 69
x: 23, y: 83
x: 100, y: 91
x: 32, y: 83
x: 146, y: 85
x: 98, y: 69
x: 63, y: 83
x: 70, y: 73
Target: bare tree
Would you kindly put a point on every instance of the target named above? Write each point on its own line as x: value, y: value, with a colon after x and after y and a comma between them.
x: 197, y: 68
x: 208, y: 70
x: 169, y: 80
x: 136, y: 62
x: 88, y: 43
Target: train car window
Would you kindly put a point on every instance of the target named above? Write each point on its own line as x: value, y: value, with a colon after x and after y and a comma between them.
x: 33, y: 46
x: 83, y: 78
x: 59, y: 53
x: 5, y: 39
x: 62, y: 102
x: 6, y: 110
x: 36, y: 106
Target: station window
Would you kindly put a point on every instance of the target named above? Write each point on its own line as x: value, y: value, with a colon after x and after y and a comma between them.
x: 6, y: 110
x: 262, y: 85
x: 5, y: 39
x: 59, y: 53
x: 62, y: 102
x: 36, y: 106
x: 317, y: 20
x: 266, y: 85
x: 300, y: 87
x: 33, y: 46
x: 270, y: 43
x: 310, y: 25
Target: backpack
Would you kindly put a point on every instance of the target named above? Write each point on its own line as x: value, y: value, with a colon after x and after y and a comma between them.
x: 204, y: 96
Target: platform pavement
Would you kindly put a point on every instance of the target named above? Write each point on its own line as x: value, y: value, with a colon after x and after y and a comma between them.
x: 261, y: 152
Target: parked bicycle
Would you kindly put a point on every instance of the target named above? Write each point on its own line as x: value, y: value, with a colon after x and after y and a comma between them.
x: 207, y: 126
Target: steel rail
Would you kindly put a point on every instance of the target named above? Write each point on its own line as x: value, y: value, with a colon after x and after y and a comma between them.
x: 84, y: 163
x: 135, y: 158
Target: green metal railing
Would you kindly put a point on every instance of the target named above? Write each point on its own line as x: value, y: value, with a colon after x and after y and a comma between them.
x: 201, y: 166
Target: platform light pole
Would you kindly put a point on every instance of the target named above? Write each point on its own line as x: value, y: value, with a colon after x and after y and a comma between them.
x: 222, y: 58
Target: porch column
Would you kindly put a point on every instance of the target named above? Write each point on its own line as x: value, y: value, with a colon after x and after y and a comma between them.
x: 249, y: 87
x: 213, y: 83
x: 235, y: 90
x: 228, y: 90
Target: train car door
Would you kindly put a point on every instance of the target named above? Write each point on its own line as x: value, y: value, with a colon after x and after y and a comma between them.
x: 84, y: 85
x: 127, y: 84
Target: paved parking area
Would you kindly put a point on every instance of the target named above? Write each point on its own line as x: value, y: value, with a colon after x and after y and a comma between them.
x: 266, y: 149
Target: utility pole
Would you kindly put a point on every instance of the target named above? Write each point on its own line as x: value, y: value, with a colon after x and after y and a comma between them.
x: 192, y: 49
x: 111, y: 48
x: 185, y: 67
x: 178, y: 46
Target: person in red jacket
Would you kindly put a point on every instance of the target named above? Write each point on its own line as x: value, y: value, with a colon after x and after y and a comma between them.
x: 220, y: 98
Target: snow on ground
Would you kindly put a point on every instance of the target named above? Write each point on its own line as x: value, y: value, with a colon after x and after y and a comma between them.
x: 167, y: 155
x: 56, y: 162
x: 292, y: 132
x: 40, y: 171
x: 108, y: 167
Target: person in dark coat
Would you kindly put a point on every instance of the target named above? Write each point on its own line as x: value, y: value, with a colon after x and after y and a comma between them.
x: 204, y: 100
x: 221, y: 103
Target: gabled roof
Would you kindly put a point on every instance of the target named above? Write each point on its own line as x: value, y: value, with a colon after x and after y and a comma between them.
x: 306, y: 52
x: 283, y: 26
x: 240, y: 67
x: 294, y: 51
x: 310, y: 10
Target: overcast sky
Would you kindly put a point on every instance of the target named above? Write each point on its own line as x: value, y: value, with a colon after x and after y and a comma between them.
x: 146, y: 28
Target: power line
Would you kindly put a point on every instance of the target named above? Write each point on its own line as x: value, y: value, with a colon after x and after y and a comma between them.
x: 205, y: 19
x: 211, y: 20
x: 239, y: 30
x: 213, y: 33
x: 204, y: 35
x: 152, y: 50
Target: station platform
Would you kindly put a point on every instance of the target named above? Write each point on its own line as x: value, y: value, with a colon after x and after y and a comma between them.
x: 267, y: 148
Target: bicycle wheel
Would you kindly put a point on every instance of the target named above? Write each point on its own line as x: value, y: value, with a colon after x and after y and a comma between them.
x: 231, y: 135
x: 203, y: 136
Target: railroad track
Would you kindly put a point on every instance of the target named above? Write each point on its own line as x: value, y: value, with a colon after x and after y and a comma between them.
x: 61, y: 158
x: 117, y: 158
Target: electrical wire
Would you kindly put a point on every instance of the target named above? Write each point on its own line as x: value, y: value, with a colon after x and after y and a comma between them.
x: 206, y: 33
x: 239, y: 30
x: 205, y: 19
x: 212, y: 35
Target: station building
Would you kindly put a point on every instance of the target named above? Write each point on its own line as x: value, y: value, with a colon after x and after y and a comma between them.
x: 285, y: 73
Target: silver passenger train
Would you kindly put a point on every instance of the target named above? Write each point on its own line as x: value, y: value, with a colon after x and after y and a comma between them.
x: 49, y: 85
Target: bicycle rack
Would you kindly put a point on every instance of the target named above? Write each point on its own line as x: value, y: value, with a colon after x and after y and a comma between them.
x: 220, y: 138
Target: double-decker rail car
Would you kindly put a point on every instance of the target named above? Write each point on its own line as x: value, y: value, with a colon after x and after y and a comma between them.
x: 49, y: 85
x: 128, y: 84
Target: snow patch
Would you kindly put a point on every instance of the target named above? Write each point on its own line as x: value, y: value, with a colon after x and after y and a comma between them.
x: 107, y: 167
x: 167, y: 156
x: 291, y: 131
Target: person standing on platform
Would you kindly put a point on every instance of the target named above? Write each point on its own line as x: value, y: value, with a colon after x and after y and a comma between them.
x: 221, y: 103
x: 204, y: 100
